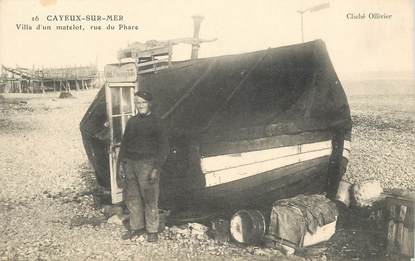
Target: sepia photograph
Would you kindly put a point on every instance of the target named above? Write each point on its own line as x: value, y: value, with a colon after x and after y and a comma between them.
x: 207, y: 130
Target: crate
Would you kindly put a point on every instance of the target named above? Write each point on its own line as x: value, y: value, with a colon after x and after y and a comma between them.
x: 400, y: 224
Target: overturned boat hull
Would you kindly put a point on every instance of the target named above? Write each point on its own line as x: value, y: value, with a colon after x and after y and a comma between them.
x: 244, y: 128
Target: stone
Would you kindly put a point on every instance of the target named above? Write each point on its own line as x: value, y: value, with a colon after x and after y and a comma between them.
x: 367, y: 192
x: 117, y: 220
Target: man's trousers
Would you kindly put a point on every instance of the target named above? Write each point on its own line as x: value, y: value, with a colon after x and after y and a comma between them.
x: 140, y: 196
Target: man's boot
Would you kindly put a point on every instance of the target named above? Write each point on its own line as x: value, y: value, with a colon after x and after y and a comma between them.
x: 152, y: 237
x: 130, y: 234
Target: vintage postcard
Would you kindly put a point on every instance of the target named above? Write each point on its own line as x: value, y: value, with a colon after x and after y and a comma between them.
x: 207, y: 130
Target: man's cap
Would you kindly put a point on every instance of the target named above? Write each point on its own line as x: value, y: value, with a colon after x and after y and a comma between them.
x: 145, y: 95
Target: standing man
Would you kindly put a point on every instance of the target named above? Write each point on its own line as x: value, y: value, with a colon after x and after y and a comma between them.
x: 144, y: 149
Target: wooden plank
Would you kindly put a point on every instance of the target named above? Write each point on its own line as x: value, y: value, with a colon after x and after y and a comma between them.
x: 116, y: 192
x: 396, y: 200
x: 227, y: 161
x: 164, y: 60
x: 407, y: 248
x: 153, y: 52
x: 409, y: 218
x: 240, y: 146
x: 390, y: 248
x: 121, y: 84
x: 153, y: 69
x: 399, y: 228
x: 241, y: 172
x: 271, y: 185
x: 123, y: 121
x: 281, y: 174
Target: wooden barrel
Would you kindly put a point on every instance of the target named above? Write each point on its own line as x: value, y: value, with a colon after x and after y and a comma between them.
x: 220, y: 230
x: 248, y: 226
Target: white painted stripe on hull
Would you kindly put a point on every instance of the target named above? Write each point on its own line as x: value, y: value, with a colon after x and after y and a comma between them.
x: 222, y: 162
x: 244, y: 171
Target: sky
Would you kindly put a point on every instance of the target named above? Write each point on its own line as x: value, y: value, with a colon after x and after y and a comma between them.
x: 354, y: 45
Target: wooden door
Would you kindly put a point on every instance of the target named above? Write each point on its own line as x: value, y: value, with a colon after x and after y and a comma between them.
x: 120, y: 106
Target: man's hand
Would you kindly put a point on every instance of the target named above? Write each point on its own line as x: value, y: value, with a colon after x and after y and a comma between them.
x: 153, y: 176
x: 120, y: 177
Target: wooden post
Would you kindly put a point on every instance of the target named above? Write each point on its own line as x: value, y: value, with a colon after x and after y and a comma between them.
x: 400, y: 228
x: 54, y: 86
x: 8, y: 86
x: 197, y: 20
x: 390, y: 248
x: 19, y: 85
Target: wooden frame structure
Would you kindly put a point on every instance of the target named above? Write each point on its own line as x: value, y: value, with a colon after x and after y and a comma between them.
x: 153, y: 57
x: 23, y: 80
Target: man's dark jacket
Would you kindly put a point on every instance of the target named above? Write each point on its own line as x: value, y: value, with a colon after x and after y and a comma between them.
x: 145, y: 138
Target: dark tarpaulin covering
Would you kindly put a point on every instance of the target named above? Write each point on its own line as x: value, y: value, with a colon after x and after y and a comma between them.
x: 286, y: 90
x: 277, y: 91
x: 96, y: 139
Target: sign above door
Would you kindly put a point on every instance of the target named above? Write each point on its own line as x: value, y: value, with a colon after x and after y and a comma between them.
x: 120, y: 72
